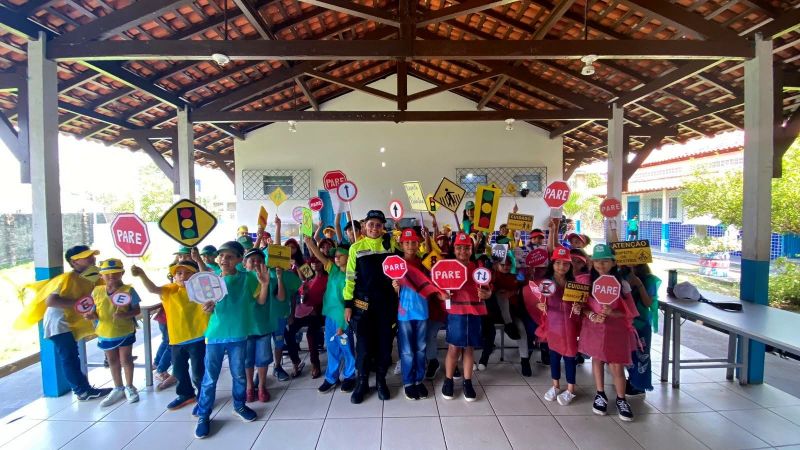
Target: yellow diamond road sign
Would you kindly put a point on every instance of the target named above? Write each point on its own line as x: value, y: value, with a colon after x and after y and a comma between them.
x: 187, y: 222
x: 449, y: 194
x: 278, y: 196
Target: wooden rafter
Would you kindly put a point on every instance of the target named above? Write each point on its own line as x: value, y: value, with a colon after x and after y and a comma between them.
x: 396, y: 116
x: 357, y: 10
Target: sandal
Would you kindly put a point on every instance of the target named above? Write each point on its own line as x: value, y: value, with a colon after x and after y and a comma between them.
x: 298, y: 370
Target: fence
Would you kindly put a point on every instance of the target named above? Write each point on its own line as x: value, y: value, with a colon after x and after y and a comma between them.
x: 16, y: 235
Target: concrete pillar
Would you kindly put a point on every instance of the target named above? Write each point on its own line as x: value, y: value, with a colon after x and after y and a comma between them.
x: 46, y: 192
x: 616, y: 146
x: 185, y: 157
x: 757, y: 207
x: 664, y: 221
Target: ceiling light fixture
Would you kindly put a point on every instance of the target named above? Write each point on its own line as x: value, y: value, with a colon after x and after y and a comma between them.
x: 509, y: 124
x: 293, y: 126
x: 383, y: 149
x: 588, y: 65
x: 221, y: 59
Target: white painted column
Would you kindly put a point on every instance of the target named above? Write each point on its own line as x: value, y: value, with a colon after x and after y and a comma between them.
x: 616, y: 146
x: 185, y: 157
x: 664, y: 221
x: 46, y: 192
x: 757, y: 207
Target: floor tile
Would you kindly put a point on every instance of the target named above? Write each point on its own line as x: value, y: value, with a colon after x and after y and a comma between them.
x: 185, y: 414
x: 372, y: 406
x: 669, y: 400
x: 716, y: 431
x: 399, y: 406
x: 514, y: 400
x: 657, y: 431
x: 164, y: 435
x: 580, y: 406
x: 90, y: 411
x: 43, y: 408
x: 350, y: 434
x: 763, y: 394
x: 535, y: 432
x: 466, y: 433
x: 302, y: 404
x: 426, y: 431
x: 767, y: 426
x: 149, y: 407
x: 47, y: 435
x: 593, y: 432
x: 11, y: 428
x: 230, y: 433
x: 303, y: 434
x: 107, y: 435
x: 502, y: 374
x: 717, y: 397
x: 789, y: 412
x: 460, y: 407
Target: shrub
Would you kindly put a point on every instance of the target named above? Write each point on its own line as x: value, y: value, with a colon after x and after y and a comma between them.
x: 784, y: 285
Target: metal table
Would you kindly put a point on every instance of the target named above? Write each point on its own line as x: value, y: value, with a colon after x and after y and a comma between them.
x: 761, y: 323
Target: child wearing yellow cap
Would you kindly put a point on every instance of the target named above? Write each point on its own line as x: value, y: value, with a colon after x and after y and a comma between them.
x: 115, y: 307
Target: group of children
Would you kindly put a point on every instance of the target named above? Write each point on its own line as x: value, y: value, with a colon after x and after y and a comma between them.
x: 341, y: 296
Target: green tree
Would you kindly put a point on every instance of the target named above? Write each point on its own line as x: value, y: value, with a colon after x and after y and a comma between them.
x: 721, y: 196
x: 155, y: 191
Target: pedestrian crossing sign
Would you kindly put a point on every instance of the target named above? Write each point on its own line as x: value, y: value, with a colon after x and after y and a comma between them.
x: 449, y: 194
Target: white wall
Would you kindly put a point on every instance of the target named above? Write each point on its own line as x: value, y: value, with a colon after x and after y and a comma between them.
x: 414, y: 151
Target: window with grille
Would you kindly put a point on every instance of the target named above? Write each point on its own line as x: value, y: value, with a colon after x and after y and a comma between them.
x: 655, y: 208
x: 673, y: 208
x: 258, y: 184
x: 532, y: 178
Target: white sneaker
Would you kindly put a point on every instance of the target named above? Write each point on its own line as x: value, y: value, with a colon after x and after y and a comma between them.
x: 565, y: 398
x: 551, y: 394
x: 481, y: 367
x: 117, y: 394
x: 397, y: 368
x: 131, y: 394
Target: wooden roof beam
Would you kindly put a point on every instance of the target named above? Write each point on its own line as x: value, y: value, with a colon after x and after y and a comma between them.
x: 556, y: 13
x: 455, y: 85
x: 358, y: 10
x: 378, y: 49
x: 498, y: 83
x: 395, y: 116
x: 349, y: 84
x: 681, y: 73
x: 462, y: 9
x: 685, y: 20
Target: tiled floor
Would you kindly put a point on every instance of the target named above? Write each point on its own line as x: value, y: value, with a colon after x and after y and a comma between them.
x: 706, y: 412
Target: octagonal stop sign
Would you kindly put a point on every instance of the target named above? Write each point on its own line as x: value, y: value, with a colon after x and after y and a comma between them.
x: 449, y: 274
x: 129, y: 234
x: 606, y: 289
x: 332, y: 179
x: 610, y: 207
x: 395, y: 267
x: 556, y: 194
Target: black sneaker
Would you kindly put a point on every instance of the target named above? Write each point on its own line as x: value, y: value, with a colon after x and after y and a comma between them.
x: 457, y: 374
x: 432, y: 369
x: 361, y: 389
x: 580, y: 359
x: 382, y: 388
x: 325, y: 387
x: 469, y: 391
x: 631, y: 391
x: 511, y: 331
x: 422, y: 390
x: 411, y: 392
x: 348, y: 384
x: 525, y: 363
x: 624, y: 410
x: 600, y: 405
x: 93, y: 393
x: 447, y: 389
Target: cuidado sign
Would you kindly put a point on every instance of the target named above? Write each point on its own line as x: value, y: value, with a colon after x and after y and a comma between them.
x: 556, y: 194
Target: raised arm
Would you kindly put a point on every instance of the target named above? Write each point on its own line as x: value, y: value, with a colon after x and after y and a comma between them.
x: 200, y: 263
x: 552, y: 237
x: 277, y: 230
x: 318, y: 233
x: 146, y: 281
x: 314, y: 249
x: 337, y: 224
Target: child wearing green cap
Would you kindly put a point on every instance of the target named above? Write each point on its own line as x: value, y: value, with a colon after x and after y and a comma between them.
x: 468, y: 217
x: 209, y: 255
x: 607, y: 334
x: 115, y: 307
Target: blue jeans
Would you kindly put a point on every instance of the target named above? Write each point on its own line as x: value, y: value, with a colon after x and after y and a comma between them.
x: 67, y: 350
x: 164, y: 352
x: 431, y: 335
x: 213, y: 362
x: 341, y: 355
x: 639, y: 374
x: 181, y: 356
x: 411, y: 336
x: 259, y: 352
x: 570, y: 366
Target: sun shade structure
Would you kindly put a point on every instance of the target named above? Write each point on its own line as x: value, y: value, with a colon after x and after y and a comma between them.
x: 126, y: 67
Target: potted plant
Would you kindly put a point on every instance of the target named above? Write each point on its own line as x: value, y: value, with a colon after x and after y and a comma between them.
x: 714, y: 252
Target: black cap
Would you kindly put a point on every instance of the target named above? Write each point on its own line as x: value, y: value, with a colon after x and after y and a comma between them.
x: 351, y: 224
x: 376, y: 214
x: 254, y: 251
x: 232, y: 246
x: 76, y: 250
x: 209, y: 250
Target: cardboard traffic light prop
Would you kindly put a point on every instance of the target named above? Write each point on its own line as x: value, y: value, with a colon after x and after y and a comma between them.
x: 487, y: 199
x: 187, y: 222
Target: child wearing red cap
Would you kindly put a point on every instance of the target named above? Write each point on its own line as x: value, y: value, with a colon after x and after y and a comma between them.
x: 415, y: 291
x: 466, y: 306
x: 560, y: 323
